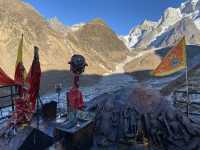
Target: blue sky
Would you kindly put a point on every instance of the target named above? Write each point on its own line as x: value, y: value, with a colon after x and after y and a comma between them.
x: 120, y: 15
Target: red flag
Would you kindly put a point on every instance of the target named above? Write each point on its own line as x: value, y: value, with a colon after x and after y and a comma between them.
x: 19, y: 74
x: 34, y: 76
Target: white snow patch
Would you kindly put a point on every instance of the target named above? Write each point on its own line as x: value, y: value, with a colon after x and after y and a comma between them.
x: 134, y: 40
x: 197, y: 23
x: 125, y: 39
x: 76, y: 27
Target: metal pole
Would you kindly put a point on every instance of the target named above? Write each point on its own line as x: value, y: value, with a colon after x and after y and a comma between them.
x: 12, y: 101
x: 59, y: 107
x: 35, y: 139
x: 37, y: 112
x: 187, y: 90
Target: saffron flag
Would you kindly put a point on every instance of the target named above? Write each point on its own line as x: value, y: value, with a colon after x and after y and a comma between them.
x: 20, y: 71
x: 174, y: 61
x: 33, y: 78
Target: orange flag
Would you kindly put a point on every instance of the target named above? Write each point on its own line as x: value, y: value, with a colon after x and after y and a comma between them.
x: 174, y: 61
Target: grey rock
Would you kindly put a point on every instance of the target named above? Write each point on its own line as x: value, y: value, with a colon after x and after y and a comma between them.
x: 139, y: 116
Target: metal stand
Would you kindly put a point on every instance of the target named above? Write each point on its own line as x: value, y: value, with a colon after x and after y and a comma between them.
x: 37, y: 117
x: 58, y: 91
x: 37, y: 113
x: 77, y: 66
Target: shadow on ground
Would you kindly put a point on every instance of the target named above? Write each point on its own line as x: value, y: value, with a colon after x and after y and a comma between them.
x: 52, y: 77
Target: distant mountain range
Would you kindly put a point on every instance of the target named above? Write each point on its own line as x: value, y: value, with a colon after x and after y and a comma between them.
x: 175, y: 22
x: 104, y: 49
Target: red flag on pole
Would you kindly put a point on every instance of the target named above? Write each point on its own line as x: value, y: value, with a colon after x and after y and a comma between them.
x: 34, y: 76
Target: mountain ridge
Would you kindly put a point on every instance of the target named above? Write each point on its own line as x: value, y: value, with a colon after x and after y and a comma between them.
x: 188, y: 12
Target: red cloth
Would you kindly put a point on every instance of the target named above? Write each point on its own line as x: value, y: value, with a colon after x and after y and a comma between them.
x: 23, y: 113
x: 19, y: 78
x: 34, y: 76
x: 19, y: 73
x: 5, y: 79
x: 75, y: 98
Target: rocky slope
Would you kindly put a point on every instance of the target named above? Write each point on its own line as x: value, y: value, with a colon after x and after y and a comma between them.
x: 100, y: 43
x: 175, y: 22
x: 57, y: 43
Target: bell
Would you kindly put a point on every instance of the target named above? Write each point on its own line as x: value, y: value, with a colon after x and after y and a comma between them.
x: 77, y: 64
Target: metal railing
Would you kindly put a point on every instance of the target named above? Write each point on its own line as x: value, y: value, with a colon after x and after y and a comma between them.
x: 180, y: 100
x: 7, y: 100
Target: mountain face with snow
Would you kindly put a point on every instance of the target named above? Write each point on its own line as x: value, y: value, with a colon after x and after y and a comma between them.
x: 175, y: 22
x: 138, y: 33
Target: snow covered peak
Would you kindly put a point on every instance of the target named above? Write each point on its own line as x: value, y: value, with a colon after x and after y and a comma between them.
x: 139, y: 31
x: 171, y: 16
x: 194, y: 1
x: 149, y: 23
x: 76, y: 27
x: 189, y: 6
x: 148, y: 32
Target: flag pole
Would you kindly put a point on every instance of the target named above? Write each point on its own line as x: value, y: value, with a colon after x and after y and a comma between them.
x: 187, y: 91
x: 187, y: 85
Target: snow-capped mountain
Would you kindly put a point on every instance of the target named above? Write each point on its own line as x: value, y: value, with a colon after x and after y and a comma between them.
x: 173, y: 24
x: 140, y: 31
